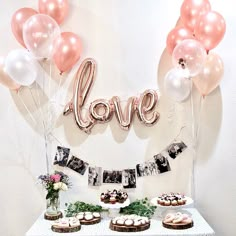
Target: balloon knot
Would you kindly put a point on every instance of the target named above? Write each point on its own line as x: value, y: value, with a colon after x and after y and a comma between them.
x: 61, y: 72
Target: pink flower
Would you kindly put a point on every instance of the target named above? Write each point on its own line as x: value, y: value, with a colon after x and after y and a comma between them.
x: 56, y: 178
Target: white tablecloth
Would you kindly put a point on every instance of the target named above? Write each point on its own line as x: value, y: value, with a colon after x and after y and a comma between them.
x: 43, y: 228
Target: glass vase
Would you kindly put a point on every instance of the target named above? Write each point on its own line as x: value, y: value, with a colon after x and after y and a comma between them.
x: 53, y: 206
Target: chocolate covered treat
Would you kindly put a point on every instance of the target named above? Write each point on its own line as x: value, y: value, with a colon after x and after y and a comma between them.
x: 115, y: 196
x: 129, y: 223
x: 172, y: 199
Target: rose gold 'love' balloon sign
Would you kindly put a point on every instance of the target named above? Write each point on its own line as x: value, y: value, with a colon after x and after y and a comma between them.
x: 102, y: 110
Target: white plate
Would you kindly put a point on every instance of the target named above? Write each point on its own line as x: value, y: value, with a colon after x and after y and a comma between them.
x: 188, y: 202
x: 116, y: 205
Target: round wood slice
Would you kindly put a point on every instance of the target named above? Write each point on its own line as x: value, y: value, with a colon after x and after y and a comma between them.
x: 69, y: 229
x: 90, y: 222
x: 125, y: 228
x: 52, y: 217
x: 177, y: 226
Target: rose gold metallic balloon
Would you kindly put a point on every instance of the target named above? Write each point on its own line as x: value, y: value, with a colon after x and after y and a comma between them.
x: 17, y: 21
x: 105, y: 115
x: 191, y: 10
x: 124, y: 118
x: 84, y: 79
x: 57, y: 9
x: 211, y: 75
x: 210, y: 30
x: 67, y: 51
x: 146, y: 106
x: 176, y: 36
x: 5, y: 79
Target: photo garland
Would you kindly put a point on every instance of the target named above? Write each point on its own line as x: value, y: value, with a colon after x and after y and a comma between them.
x: 159, y: 164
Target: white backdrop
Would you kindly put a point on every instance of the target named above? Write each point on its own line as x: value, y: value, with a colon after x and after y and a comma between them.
x: 127, y: 39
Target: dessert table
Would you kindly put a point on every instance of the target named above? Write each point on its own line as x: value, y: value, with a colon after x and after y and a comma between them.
x: 42, y: 227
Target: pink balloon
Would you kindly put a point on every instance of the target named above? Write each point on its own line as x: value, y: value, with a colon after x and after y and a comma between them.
x: 210, y: 30
x: 68, y: 48
x: 57, y: 9
x: 5, y: 79
x: 17, y: 21
x: 191, y: 10
x: 211, y: 75
x: 176, y: 36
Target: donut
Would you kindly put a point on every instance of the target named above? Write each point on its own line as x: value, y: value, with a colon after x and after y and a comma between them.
x: 96, y: 214
x: 178, y: 218
x: 187, y: 221
x: 169, y: 218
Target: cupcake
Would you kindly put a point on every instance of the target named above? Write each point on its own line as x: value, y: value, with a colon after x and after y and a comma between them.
x: 102, y: 197
x: 112, y: 200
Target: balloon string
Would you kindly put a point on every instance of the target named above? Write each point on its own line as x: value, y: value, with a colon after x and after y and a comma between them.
x: 49, y: 96
x: 44, y: 126
x: 25, y: 106
x: 59, y: 88
x: 199, y: 119
x: 194, y: 144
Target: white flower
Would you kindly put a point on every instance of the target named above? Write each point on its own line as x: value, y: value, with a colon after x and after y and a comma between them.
x: 56, y: 186
x: 60, y: 186
x: 64, y: 187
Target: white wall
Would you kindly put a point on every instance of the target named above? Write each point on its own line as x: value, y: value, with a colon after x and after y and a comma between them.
x: 127, y: 39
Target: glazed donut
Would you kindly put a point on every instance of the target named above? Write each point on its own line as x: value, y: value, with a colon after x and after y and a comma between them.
x: 185, y: 216
x: 187, y: 220
x: 169, y: 218
x: 178, y: 218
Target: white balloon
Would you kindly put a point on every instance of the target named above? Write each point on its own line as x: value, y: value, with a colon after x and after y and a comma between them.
x: 21, y: 67
x: 176, y: 85
x: 189, y: 55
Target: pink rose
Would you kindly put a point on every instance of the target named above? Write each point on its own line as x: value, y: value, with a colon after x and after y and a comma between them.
x: 56, y: 178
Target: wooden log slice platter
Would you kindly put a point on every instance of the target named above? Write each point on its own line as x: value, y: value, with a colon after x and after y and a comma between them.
x: 178, y: 225
x: 90, y: 222
x: 69, y: 229
x: 88, y: 218
x: 125, y: 228
x: 53, y: 217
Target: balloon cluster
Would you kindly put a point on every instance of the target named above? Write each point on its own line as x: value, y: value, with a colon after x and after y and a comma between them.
x: 39, y: 33
x: 200, y: 30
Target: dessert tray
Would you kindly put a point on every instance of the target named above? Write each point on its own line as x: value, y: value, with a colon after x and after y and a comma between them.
x: 178, y: 221
x: 129, y: 223
x: 115, y: 205
x: 186, y: 201
x: 66, y: 225
x: 88, y: 218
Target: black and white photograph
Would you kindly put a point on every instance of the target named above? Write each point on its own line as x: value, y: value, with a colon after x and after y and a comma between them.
x: 62, y: 155
x: 94, y: 176
x: 162, y: 163
x: 112, y: 177
x: 176, y: 148
x: 129, y: 178
x: 77, y: 165
x: 146, y: 169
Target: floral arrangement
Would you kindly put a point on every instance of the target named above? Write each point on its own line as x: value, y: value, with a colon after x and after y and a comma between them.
x: 54, y: 183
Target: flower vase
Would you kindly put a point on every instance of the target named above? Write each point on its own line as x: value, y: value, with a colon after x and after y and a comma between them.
x: 53, y: 206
